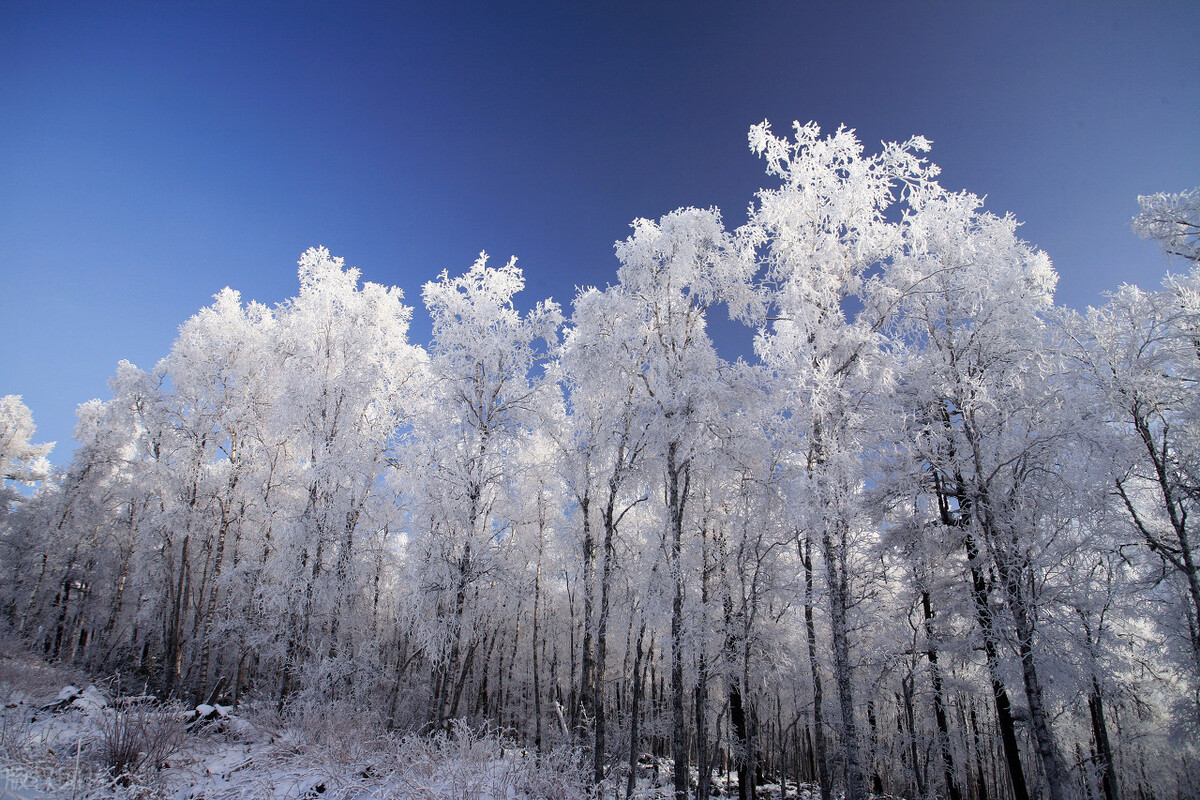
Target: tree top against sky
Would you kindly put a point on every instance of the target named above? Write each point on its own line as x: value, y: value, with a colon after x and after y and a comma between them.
x: 154, y: 154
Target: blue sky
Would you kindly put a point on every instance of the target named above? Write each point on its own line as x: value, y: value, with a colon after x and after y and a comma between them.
x: 153, y: 153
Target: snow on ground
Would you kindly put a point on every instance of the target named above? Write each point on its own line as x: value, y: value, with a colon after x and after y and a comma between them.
x: 58, y: 741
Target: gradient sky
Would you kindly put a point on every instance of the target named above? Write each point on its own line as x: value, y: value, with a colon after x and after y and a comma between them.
x: 153, y: 153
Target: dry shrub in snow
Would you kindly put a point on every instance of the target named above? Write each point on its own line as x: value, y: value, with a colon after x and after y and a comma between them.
x: 137, y: 738
x: 16, y: 735
x: 459, y: 763
x: 560, y: 774
x: 84, y: 744
x: 466, y: 763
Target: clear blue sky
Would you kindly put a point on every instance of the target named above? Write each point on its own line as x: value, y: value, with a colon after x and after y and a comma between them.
x: 153, y: 153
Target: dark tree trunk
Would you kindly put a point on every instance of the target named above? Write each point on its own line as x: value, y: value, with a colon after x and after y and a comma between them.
x: 1104, y: 754
x: 677, y: 492
x: 635, y: 710
x: 833, y: 543
x: 1004, y: 717
x: 815, y: 670
x: 949, y: 775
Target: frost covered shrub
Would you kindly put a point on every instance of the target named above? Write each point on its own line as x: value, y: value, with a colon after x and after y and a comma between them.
x: 137, y: 738
x: 466, y: 762
x: 16, y: 734
x: 339, y: 727
x: 455, y: 748
x: 560, y: 774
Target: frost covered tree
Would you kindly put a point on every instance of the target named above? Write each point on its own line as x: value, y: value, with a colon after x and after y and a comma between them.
x: 1140, y: 352
x: 929, y: 545
x: 238, y: 485
x: 994, y: 431
x: 20, y: 460
x: 484, y: 401
x: 349, y: 383
x: 603, y: 442
x: 221, y: 382
x: 645, y: 390
x: 825, y: 240
x: 62, y: 582
x: 24, y: 463
x: 1172, y: 220
x: 672, y: 270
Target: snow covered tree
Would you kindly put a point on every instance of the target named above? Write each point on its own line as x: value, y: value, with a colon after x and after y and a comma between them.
x: 671, y: 272
x: 349, y: 384
x: 483, y: 401
x: 603, y: 444
x: 926, y: 520
x: 995, y: 429
x: 222, y: 385
x: 20, y: 460
x: 825, y: 239
x: 1173, y: 220
x: 1141, y: 354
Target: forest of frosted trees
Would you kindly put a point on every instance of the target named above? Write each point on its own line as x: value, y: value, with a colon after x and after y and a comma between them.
x: 936, y: 540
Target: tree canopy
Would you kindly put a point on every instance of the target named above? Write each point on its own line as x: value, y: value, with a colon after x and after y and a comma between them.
x: 937, y: 539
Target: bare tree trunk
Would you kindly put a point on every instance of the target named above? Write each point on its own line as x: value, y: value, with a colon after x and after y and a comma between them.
x: 635, y: 710
x: 873, y: 727
x: 1004, y: 718
x: 448, y: 707
x: 833, y: 544
x: 587, y: 678
x: 815, y: 671
x: 537, y: 603
x: 678, y: 477
x: 980, y: 747
x: 211, y: 605
x: 949, y: 775
x: 174, y: 633
x: 919, y: 770
x: 601, y: 663
x: 1011, y: 567
x: 741, y: 730
x: 342, y: 575
x: 506, y: 695
x: 700, y: 695
x: 122, y: 579
x: 1104, y: 754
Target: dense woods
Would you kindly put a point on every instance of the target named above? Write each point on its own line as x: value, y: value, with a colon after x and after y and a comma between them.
x: 937, y: 540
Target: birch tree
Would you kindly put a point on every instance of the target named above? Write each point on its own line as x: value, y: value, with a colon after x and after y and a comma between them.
x: 997, y: 425
x: 672, y: 270
x: 824, y: 238
x: 348, y: 384
x: 485, y: 400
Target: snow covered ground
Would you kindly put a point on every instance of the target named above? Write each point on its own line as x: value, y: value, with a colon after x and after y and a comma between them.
x: 60, y: 741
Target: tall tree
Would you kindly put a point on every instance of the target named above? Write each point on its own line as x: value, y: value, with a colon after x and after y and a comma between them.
x: 485, y: 400
x: 825, y: 239
x: 993, y: 399
x: 1141, y: 352
x: 601, y: 363
x: 671, y: 271
x: 348, y: 387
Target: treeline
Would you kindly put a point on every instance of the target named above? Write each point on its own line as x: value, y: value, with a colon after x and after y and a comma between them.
x: 936, y: 541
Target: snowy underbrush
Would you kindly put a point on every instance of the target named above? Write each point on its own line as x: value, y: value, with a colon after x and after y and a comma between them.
x: 102, y: 742
x: 98, y: 744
